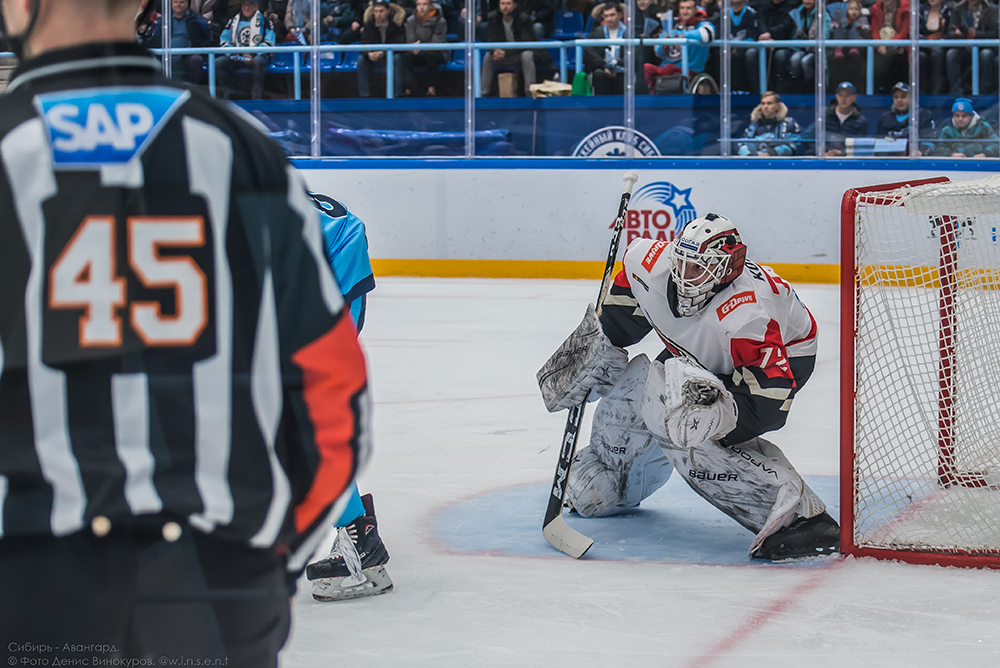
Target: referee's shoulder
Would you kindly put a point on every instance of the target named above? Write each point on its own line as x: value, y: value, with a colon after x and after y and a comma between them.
x: 240, y: 125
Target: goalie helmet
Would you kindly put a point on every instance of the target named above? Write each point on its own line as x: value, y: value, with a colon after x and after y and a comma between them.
x: 705, y: 258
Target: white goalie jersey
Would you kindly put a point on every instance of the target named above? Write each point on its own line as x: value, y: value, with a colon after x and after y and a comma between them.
x: 755, y: 334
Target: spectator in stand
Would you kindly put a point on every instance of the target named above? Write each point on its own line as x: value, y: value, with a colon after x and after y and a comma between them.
x: 968, y: 135
x: 647, y: 18
x: 890, y: 21
x: 247, y: 28
x: 646, y: 24
x: 143, y: 28
x: 427, y: 25
x: 508, y: 25
x: 542, y: 14
x: 187, y: 29
x: 203, y: 8
x: 691, y: 24
x: 380, y: 29
x: 339, y: 21
x: 296, y: 20
x: 935, y: 23
x: 222, y: 13
x: 895, y: 123
x: 743, y: 62
x: 607, y: 64
x: 713, y: 12
x: 844, y: 119
x: 848, y: 21
x: 974, y: 19
x: 774, y: 131
x: 775, y: 22
x: 802, y: 64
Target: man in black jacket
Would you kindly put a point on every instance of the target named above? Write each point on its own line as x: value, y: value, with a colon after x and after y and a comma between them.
x: 381, y: 29
x: 776, y: 23
x: 187, y: 29
x: 895, y: 123
x: 508, y: 25
x: 183, y: 391
x: 844, y: 119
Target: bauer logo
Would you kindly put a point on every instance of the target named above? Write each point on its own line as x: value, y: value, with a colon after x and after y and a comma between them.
x: 111, y: 126
x: 730, y: 305
x: 658, y: 210
x: 612, y: 142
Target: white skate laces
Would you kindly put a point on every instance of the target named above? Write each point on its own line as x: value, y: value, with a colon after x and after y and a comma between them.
x: 345, y: 547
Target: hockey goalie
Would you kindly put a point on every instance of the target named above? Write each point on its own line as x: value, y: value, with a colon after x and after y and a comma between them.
x: 739, y: 345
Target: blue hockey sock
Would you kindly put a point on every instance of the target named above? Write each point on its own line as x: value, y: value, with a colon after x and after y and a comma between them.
x: 354, y: 509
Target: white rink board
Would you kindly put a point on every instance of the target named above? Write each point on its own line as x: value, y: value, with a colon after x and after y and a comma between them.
x: 784, y: 215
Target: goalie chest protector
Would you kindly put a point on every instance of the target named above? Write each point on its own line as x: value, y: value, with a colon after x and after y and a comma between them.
x: 755, y: 317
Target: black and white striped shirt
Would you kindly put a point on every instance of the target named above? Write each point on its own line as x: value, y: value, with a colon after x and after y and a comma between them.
x: 173, y: 344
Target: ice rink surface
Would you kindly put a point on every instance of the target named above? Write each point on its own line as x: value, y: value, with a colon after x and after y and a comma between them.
x: 464, y: 454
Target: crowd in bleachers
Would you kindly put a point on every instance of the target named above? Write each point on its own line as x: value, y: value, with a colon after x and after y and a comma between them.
x: 789, y: 68
x: 657, y: 68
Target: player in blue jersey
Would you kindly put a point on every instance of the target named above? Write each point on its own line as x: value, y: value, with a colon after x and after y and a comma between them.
x: 356, y: 565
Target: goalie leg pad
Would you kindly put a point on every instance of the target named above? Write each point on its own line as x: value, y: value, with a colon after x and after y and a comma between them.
x: 751, y: 482
x: 620, y: 467
x: 596, y: 490
x: 586, y: 360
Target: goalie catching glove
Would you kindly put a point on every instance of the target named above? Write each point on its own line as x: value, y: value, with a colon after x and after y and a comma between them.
x: 586, y: 360
x: 693, y: 405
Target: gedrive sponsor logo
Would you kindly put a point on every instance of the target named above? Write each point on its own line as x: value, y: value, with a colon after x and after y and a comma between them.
x: 658, y: 210
x: 94, y: 127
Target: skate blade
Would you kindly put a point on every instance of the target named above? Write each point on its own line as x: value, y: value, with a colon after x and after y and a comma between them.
x: 376, y: 581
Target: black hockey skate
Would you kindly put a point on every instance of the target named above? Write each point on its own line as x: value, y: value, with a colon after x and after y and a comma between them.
x: 805, y: 537
x: 356, y: 565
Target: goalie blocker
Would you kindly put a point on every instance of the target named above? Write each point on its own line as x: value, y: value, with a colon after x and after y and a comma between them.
x: 756, y: 342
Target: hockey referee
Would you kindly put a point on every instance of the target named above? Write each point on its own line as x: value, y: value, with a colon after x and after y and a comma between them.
x: 182, y: 396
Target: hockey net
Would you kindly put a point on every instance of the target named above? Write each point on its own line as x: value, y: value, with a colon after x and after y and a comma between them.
x: 920, y: 377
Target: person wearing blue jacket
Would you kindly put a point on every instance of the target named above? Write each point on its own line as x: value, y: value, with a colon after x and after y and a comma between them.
x: 693, y: 25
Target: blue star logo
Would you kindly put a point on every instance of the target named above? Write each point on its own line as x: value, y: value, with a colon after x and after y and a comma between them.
x: 671, y: 197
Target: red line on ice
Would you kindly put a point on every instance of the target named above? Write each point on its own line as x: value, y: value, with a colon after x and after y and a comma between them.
x: 755, y: 623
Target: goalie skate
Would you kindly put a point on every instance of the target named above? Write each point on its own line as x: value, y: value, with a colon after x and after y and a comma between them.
x: 805, y: 537
x: 356, y: 565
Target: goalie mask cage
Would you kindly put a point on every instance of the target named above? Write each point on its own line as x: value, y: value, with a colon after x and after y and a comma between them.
x: 920, y: 372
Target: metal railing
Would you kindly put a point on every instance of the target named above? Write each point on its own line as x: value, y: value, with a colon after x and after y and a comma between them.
x: 301, y: 65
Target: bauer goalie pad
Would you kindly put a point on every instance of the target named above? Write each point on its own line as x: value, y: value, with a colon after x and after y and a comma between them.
x: 586, y: 360
x: 686, y: 405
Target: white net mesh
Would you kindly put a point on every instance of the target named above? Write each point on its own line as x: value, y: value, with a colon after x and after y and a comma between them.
x: 927, y: 367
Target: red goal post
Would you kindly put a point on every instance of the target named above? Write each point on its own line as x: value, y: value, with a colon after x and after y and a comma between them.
x: 920, y: 372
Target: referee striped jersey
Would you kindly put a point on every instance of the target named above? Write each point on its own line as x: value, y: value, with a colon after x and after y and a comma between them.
x: 173, y: 344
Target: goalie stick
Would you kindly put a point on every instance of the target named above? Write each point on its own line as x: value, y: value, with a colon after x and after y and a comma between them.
x: 559, y: 534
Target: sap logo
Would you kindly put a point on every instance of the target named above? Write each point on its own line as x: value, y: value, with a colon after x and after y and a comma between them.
x: 94, y: 127
x: 84, y: 129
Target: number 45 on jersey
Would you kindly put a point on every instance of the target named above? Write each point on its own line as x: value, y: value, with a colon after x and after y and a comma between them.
x: 85, y: 276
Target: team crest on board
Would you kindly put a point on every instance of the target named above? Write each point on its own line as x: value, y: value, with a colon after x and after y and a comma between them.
x: 612, y: 142
x: 105, y: 126
x: 659, y: 210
